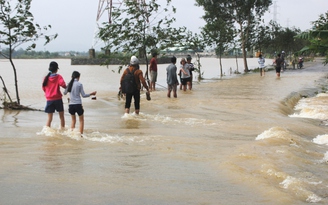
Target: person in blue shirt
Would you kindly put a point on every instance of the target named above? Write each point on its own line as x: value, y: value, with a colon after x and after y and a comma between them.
x: 75, y: 88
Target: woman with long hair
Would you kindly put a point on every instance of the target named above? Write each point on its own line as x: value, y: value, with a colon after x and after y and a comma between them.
x: 51, y: 87
x: 75, y: 88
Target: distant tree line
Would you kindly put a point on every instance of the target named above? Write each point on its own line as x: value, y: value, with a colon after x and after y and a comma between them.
x: 32, y: 54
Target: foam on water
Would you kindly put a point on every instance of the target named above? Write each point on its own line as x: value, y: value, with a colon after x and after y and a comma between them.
x: 167, y: 120
x: 107, y: 138
x: 279, y: 157
x: 297, y: 186
x: 321, y: 139
x: 50, y: 132
x: 314, y: 107
x: 274, y: 132
x: 325, y: 158
x: 96, y: 136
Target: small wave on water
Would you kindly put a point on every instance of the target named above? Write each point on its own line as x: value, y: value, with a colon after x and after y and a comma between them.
x: 314, y: 107
x: 52, y: 132
x: 285, y: 162
x: 168, y: 120
x: 96, y: 136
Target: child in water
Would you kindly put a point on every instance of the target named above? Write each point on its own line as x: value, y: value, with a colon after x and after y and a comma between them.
x: 51, y: 87
x: 75, y: 88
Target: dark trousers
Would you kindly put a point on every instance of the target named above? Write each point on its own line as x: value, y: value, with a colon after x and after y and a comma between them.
x: 128, y: 99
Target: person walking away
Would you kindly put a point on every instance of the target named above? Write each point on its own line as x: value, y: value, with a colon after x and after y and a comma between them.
x: 279, y: 63
x: 51, y: 87
x: 171, y: 78
x: 75, y: 88
x: 185, y: 75
x: 261, y: 62
x: 138, y: 79
x: 153, y: 71
x: 283, y: 67
x: 191, y: 68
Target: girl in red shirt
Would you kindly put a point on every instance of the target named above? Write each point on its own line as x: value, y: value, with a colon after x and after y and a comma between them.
x: 51, y: 87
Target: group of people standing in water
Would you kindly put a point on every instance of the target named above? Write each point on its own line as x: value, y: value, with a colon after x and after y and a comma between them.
x: 53, y: 81
x: 185, y: 75
x: 279, y: 63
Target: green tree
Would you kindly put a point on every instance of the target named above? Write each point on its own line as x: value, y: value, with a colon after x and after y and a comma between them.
x: 273, y: 39
x: 139, y: 28
x: 242, y: 13
x: 219, y: 30
x: 317, y: 37
x: 17, y: 28
x: 196, y: 43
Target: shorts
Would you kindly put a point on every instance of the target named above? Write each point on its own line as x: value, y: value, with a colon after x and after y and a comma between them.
x: 185, y: 80
x: 53, y: 105
x: 172, y: 87
x: 153, y: 76
x: 75, y: 108
x: 278, y: 69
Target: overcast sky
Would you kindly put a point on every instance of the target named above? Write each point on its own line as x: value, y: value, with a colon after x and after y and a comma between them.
x: 75, y: 20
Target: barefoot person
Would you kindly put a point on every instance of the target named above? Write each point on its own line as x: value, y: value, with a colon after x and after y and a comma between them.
x: 131, y: 88
x: 191, y: 68
x: 153, y: 71
x: 279, y: 62
x: 51, y: 87
x: 261, y: 62
x: 75, y: 88
x: 171, y: 78
x: 185, y: 74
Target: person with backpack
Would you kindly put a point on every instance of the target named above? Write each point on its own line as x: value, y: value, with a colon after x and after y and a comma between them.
x: 131, y: 80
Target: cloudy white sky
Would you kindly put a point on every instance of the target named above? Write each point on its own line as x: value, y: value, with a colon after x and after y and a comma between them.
x: 75, y: 20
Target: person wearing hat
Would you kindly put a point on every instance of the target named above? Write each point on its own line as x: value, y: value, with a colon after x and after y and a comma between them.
x: 282, y: 56
x: 138, y: 76
x: 153, y: 71
x: 51, y: 87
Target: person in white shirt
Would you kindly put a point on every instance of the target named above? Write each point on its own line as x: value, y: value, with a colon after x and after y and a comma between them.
x: 185, y: 75
x: 75, y: 88
x: 261, y: 62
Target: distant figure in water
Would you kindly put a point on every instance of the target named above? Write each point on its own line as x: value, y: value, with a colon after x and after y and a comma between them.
x: 279, y: 62
x: 261, y: 62
x: 51, y: 87
x: 185, y: 75
x: 171, y: 78
x: 75, y: 88
x: 191, y: 68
